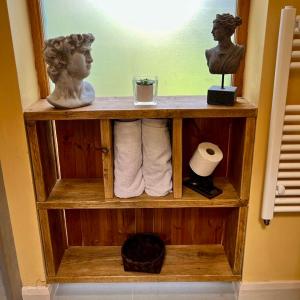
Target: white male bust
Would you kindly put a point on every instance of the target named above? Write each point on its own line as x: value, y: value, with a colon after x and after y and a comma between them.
x: 226, y: 56
x: 69, y: 62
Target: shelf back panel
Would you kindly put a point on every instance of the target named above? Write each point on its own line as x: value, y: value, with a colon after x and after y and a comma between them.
x: 212, y: 130
x: 79, y: 148
x: 176, y: 226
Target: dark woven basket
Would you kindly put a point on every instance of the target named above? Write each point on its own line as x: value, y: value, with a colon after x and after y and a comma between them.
x: 143, y: 252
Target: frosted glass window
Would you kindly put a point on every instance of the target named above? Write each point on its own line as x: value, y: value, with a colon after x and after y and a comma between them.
x: 166, y: 38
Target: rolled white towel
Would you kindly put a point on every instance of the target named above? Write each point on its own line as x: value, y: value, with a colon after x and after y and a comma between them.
x: 128, y: 180
x: 157, y: 167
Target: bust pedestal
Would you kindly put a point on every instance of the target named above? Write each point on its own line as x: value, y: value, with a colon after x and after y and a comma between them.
x: 218, y: 95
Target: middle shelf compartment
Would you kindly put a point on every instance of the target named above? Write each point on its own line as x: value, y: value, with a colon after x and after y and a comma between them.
x: 75, y: 159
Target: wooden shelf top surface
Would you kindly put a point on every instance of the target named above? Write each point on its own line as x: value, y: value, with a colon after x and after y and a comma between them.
x: 123, y: 107
x: 182, y: 263
x: 89, y: 193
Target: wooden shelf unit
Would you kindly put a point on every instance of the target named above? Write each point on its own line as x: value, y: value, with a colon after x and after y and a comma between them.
x: 83, y: 224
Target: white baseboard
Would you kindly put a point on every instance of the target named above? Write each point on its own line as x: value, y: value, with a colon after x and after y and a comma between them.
x: 39, y: 292
x: 269, y: 285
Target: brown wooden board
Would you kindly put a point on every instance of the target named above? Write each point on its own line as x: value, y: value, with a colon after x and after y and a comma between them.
x: 89, y: 193
x: 182, y: 263
x: 43, y: 159
x: 237, y: 153
x: 47, y: 154
x: 184, y: 226
x: 36, y: 19
x: 79, y: 148
x: 123, y: 108
x: 242, y: 10
x: 58, y: 235
x: 230, y: 236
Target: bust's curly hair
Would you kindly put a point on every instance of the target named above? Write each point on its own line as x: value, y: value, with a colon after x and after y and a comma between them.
x: 228, y: 22
x: 56, y: 51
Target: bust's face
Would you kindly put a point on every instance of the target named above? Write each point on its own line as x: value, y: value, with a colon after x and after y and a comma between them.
x: 218, y: 32
x: 79, y: 64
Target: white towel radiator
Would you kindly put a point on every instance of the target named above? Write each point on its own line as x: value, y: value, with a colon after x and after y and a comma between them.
x: 282, y: 177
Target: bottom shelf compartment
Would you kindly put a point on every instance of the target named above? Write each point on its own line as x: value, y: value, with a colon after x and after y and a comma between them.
x: 182, y: 263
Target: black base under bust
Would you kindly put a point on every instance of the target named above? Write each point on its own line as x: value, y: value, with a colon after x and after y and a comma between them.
x: 216, y: 95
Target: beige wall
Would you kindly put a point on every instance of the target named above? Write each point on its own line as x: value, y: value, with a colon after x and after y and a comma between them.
x: 272, y: 253
x: 14, y: 154
x: 22, y: 43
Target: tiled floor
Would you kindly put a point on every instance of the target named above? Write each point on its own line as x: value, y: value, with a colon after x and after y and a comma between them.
x: 146, y: 291
x: 167, y: 291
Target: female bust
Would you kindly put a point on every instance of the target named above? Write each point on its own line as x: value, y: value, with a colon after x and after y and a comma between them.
x: 69, y: 62
x: 225, y: 57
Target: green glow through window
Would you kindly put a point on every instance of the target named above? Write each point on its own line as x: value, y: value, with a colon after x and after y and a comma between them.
x: 166, y: 38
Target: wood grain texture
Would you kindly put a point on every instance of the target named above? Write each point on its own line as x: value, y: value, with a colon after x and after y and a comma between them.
x: 107, y: 158
x: 177, y: 157
x: 123, y: 108
x: 57, y: 235
x: 101, y: 227
x: 182, y: 263
x: 79, y: 148
x: 36, y: 163
x: 176, y: 226
x: 49, y: 258
x: 240, y: 240
x: 37, y: 34
x: 47, y: 154
x: 247, y: 157
x: 236, y: 153
x: 89, y: 193
x: 230, y: 236
x: 212, y: 130
x: 242, y: 10
x: 234, y: 238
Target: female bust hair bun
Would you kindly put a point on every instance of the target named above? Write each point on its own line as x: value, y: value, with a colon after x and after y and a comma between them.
x: 238, y: 21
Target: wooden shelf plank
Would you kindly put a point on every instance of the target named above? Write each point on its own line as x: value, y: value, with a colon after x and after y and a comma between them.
x: 89, y: 193
x: 182, y: 263
x: 123, y: 107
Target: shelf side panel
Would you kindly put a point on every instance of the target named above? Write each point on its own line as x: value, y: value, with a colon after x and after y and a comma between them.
x: 54, y: 238
x: 43, y: 159
x: 247, y: 157
x: 79, y: 148
x: 48, y: 154
x: 236, y: 154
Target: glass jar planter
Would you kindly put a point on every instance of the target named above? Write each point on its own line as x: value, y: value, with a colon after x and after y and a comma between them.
x: 145, y: 90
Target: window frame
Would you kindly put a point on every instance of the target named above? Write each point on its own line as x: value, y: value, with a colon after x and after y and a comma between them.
x: 37, y: 32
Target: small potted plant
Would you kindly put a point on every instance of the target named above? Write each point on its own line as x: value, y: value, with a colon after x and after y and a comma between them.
x: 145, y: 90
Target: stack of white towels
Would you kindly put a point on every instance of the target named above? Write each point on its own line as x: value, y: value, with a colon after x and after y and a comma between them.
x: 142, y: 152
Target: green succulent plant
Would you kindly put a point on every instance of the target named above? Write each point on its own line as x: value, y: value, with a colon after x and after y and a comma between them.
x: 145, y: 81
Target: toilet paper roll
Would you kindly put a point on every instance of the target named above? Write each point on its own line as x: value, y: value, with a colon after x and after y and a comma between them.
x: 205, y: 159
